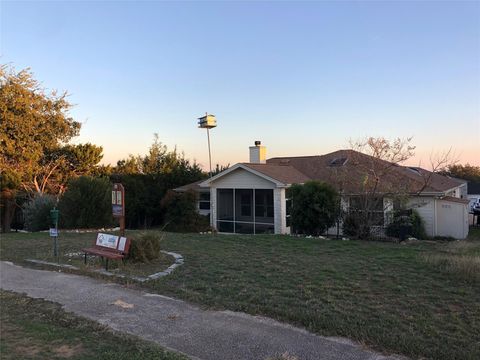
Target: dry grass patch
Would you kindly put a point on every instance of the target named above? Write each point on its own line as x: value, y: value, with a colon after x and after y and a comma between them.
x: 67, y: 351
x: 461, y: 258
x: 466, y: 266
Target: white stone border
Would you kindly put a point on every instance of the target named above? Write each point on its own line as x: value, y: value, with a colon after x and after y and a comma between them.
x: 178, y: 261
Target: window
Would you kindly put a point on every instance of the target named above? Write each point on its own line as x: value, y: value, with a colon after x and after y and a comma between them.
x: 373, y: 206
x: 204, y: 201
x: 415, y: 170
x: 337, y: 162
x: 288, y: 211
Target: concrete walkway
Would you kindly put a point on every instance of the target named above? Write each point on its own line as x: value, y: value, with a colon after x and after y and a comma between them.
x: 175, y: 324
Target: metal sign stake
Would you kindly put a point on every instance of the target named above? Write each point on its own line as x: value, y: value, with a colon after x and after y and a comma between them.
x: 54, y: 232
x: 118, y: 205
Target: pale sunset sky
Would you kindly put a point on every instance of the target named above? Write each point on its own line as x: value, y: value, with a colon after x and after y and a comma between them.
x: 302, y: 77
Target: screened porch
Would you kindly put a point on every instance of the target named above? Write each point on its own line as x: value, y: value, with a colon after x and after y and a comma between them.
x: 245, y: 211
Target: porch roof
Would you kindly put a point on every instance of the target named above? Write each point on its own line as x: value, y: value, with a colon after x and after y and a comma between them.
x: 195, y: 186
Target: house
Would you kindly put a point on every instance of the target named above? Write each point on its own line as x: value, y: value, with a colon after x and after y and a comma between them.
x: 251, y: 198
x: 203, y: 202
x: 473, y: 196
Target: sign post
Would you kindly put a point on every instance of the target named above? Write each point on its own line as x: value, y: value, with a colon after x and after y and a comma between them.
x: 54, y: 231
x: 118, y: 205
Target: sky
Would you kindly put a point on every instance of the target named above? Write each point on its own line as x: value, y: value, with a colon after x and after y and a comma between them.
x: 304, y: 78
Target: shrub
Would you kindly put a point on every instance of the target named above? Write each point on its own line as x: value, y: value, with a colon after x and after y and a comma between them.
x: 86, y: 203
x: 353, y: 225
x: 181, y: 212
x: 145, y: 247
x: 406, y: 223
x: 418, y: 226
x: 37, y: 212
x: 315, y: 207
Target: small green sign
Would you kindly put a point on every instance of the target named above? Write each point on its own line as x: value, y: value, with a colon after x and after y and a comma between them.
x: 54, y: 216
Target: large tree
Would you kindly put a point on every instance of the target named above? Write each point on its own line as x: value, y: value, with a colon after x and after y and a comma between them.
x: 379, y: 178
x: 35, y: 129
x: 467, y: 172
x: 375, y: 178
x: 147, y: 178
x: 63, y: 163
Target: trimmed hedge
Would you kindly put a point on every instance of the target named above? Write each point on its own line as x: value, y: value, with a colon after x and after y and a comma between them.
x: 86, y: 203
x: 181, y: 214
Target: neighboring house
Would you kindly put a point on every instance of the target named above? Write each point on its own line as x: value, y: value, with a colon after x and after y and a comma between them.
x: 203, y: 202
x: 473, y: 194
x: 250, y: 198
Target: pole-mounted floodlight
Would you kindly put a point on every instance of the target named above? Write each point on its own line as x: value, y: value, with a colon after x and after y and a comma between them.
x: 208, y: 122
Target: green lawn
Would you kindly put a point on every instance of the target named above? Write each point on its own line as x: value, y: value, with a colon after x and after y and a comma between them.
x: 38, y: 329
x: 420, y: 299
x: 40, y: 246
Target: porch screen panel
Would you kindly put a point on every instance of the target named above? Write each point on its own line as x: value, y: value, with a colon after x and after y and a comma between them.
x: 264, y: 206
x: 244, y: 228
x: 225, y: 210
x: 225, y: 226
x: 225, y: 204
x: 244, y: 205
x: 245, y: 211
x: 264, y: 229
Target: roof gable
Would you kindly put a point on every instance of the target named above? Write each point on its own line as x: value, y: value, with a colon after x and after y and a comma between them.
x: 244, y: 167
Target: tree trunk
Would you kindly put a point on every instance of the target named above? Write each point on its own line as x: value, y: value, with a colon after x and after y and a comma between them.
x: 8, y: 206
